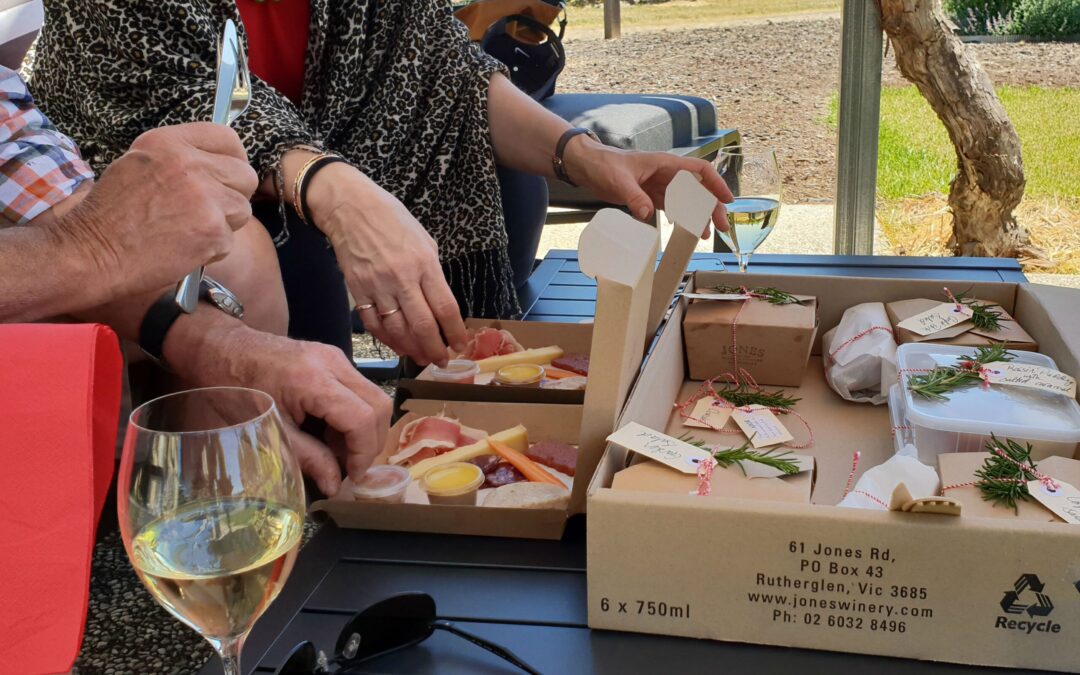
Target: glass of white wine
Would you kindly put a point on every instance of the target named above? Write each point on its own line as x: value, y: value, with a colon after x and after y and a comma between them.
x: 211, y: 505
x: 753, y: 174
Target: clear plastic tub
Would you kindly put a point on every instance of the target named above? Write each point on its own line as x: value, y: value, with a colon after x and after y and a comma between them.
x: 1050, y: 422
x: 383, y: 483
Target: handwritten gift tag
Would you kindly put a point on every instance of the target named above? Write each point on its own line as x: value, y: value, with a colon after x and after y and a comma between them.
x: 1032, y: 377
x: 1064, y: 502
x: 936, y: 319
x: 708, y: 413
x: 761, y: 426
x: 661, y: 447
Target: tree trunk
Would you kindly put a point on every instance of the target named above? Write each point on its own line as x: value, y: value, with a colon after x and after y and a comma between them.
x: 990, y: 173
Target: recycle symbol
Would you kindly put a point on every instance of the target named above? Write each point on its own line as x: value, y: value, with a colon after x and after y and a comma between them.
x: 1012, y: 604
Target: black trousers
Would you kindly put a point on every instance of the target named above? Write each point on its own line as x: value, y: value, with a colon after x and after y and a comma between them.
x: 315, y: 287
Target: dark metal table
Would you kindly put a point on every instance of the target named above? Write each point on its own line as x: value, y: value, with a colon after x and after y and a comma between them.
x: 530, y: 595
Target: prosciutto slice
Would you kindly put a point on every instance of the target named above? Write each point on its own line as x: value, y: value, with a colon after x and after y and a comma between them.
x: 431, y: 436
x: 488, y: 342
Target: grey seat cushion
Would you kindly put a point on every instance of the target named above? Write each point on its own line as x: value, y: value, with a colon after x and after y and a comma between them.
x: 651, y: 122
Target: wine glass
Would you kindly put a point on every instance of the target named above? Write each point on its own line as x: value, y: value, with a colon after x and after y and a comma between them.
x: 753, y: 174
x: 211, y: 506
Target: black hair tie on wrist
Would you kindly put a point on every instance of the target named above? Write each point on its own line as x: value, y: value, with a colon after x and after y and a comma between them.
x: 315, y: 168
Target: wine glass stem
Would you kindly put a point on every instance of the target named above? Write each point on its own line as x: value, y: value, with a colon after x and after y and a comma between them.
x: 744, y: 261
x: 229, y: 650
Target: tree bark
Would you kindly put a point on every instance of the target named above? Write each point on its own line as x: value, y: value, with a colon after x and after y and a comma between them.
x: 990, y: 171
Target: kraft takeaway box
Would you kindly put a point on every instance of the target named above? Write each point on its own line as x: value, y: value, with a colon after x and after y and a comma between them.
x: 966, y: 589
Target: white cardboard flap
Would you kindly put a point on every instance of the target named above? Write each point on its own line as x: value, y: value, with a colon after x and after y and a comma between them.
x: 616, y: 247
x: 688, y: 204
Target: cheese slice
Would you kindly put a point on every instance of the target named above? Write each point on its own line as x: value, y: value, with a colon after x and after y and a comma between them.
x: 516, y: 437
x: 540, y: 356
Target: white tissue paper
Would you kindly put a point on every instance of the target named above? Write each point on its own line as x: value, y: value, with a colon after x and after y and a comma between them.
x: 863, y: 369
x: 880, y: 482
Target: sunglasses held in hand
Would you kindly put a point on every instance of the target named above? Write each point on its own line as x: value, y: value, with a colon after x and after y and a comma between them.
x: 394, y: 623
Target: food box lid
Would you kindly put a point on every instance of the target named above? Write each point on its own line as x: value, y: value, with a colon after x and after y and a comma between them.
x: 1013, y: 412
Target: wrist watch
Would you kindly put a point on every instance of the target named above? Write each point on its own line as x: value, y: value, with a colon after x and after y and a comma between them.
x: 164, y: 312
x: 560, y: 147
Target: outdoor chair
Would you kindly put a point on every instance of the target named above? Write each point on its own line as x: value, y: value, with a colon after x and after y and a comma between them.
x: 20, y: 21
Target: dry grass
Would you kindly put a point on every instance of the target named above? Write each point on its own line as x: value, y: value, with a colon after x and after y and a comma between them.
x: 921, y: 226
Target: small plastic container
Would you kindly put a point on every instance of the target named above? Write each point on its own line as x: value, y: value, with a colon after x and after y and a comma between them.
x: 458, y: 371
x: 384, y: 484
x: 1049, y: 422
x: 454, y: 484
x: 520, y: 375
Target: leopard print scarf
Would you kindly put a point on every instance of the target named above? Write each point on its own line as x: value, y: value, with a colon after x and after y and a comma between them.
x: 393, y: 85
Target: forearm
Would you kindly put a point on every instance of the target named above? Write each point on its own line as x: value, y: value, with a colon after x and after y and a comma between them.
x: 42, y: 275
x: 523, y: 133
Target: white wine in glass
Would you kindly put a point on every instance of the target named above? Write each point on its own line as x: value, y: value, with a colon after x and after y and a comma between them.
x: 211, y: 505
x: 754, y: 178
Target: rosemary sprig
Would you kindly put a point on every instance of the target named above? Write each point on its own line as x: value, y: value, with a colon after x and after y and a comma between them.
x: 1001, y: 481
x: 983, y: 315
x: 773, y: 296
x: 943, y: 379
x: 743, y: 395
x: 745, y: 453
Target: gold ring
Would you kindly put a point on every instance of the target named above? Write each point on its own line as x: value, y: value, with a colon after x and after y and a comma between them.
x: 390, y: 313
x: 363, y: 308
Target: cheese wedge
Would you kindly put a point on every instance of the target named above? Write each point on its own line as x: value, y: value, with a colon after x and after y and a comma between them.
x: 516, y: 437
x: 540, y: 356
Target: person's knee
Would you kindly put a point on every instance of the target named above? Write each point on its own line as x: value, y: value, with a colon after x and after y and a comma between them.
x: 251, y: 272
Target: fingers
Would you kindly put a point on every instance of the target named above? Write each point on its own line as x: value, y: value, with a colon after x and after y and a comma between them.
x: 316, y: 460
x: 393, y: 327
x: 719, y: 220
x: 382, y: 407
x: 354, y: 419
x: 423, y: 326
x: 710, y: 178
x: 445, y: 308
x: 209, y: 137
x: 639, y: 203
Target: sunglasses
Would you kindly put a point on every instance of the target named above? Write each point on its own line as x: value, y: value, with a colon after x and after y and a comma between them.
x: 397, y: 622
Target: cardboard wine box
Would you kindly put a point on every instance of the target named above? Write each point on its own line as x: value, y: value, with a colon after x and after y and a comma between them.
x: 967, y: 589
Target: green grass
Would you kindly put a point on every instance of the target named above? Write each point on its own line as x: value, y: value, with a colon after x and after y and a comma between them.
x: 589, y: 21
x: 915, y: 156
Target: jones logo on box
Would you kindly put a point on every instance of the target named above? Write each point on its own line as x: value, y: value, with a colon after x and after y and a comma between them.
x: 1027, y: 597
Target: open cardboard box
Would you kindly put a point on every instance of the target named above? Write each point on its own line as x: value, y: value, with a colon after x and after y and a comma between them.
x: 620, y: 253
x: 574, y: 338
x: 544, y: 422
x: 818, y: 576
x: 615, y: 254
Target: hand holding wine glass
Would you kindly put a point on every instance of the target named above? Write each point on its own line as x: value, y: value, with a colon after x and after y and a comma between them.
x: 211, y: 506
x: 753, y: 174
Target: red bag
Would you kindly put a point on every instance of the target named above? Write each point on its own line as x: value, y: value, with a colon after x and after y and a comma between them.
x: 60, y: 388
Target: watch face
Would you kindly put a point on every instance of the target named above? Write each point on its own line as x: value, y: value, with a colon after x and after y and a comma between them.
x: 222, y: 298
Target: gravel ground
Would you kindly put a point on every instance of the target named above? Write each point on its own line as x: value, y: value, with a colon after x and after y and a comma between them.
x: 772, y: 80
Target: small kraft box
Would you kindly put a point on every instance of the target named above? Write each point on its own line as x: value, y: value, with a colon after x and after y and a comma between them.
x: 764, y: 331
x: 958, y: 588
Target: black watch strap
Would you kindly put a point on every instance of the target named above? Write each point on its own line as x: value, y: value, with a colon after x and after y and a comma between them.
x: 560, y: 147
x: 156, y: 324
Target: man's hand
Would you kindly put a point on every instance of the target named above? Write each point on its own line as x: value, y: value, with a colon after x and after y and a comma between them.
x: 164, y: 208
x: 639, y: 180
x: 391, y: 265
x: 306, y: 379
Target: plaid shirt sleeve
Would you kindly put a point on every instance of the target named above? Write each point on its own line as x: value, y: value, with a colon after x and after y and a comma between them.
x: 39, y: 166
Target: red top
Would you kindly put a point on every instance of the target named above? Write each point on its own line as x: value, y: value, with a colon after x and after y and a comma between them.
x: 277, y: 32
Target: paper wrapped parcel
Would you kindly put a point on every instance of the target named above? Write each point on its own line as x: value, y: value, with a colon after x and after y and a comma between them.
x: 861, y: 354
x: 875, y: 487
